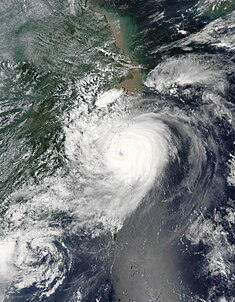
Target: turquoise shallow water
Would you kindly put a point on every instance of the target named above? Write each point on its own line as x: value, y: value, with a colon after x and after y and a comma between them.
x: 107, y: 196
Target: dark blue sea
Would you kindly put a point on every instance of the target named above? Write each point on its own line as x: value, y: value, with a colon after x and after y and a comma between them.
x: 117, y: 163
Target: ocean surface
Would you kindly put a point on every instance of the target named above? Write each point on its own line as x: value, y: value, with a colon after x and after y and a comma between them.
x: 117, y: 163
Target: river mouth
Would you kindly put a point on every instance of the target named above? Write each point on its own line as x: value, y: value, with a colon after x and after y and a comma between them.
x: 117, y: 151
x: 118, y: 25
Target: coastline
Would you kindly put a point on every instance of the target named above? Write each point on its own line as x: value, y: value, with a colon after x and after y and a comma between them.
x: 132, y: 82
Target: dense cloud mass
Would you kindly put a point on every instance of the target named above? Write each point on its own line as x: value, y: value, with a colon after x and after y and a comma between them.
x: 117, y: 163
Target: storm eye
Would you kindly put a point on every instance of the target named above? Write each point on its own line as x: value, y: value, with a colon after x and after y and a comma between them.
x: 122, y: 152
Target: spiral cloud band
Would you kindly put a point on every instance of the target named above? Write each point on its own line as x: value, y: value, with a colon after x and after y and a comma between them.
x: 136, y: 150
